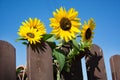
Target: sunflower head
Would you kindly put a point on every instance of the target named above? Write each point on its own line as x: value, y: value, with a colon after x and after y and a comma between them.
x: 65, y: 24
x: 36, y: 24
x: 32, y: 30
x: 30, y: 34
x: 87, y: 31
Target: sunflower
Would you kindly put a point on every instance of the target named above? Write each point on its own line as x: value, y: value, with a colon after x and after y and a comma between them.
x: 32, y: 30
x: 65, y: 24
x: 32, y: 35
x: 36, y: 24
x: 87, y: 30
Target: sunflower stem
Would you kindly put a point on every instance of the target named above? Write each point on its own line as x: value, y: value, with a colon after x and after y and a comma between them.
x: 58, y: 75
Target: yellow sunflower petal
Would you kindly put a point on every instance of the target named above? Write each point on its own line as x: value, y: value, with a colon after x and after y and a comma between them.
x: 91, y: 23
x: 31, y: 22
x: 87, y: 30
x: 76, y: 23
x: 74, y: 29
x: 72, y: 14
x: 32, y: 30
x: 65, y: 24
x: 35, y: 22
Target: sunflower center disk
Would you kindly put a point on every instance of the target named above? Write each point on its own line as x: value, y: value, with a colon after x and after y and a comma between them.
x: 65, y: 24
x: 31, y: 35
x: 88, y: 33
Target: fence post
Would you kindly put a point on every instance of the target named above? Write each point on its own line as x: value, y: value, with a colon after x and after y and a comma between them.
x: 76, y: 67
x: 39, y: 62
x: 7, y: 61
x: 75, y: 72
x: 95, y: 64
x: 115, y: 67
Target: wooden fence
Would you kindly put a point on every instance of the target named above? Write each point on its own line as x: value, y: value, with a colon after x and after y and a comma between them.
x: 39, y: 64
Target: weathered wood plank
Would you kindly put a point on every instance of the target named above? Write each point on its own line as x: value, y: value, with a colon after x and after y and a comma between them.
x: 115, y: 67
x: 76, y: 68
x: 95, y: 64
x: 39, y: 62
x: 75, y: 72
x: 7, y: 61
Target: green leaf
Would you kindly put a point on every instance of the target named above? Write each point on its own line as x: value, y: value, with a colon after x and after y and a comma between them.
x: 84, y: 45
x: 47, y: 36
x: 52, y: 45
x: 25, y: 43
x: 81, y: 46
x: 74, y: 51
x: 60, y: 58
x: 52, y: 39
x: 72, y: 54
x: 20, y: 38
x: 18, y: 71
x: 75, y: 43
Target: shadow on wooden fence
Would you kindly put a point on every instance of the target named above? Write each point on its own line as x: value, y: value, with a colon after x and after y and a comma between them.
x: 39, y: 64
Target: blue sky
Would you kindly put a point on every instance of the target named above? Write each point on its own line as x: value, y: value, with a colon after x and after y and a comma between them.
x: 106, y: 14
